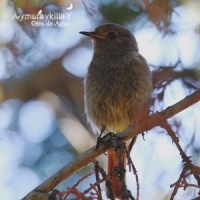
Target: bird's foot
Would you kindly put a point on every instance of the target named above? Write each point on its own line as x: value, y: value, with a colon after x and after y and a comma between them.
x: 107, y: 139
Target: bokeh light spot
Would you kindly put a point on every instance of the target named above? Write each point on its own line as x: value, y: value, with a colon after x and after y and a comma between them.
x: 36, y: 121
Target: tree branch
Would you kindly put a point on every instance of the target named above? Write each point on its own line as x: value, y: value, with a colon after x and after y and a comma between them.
x: 85, y: 158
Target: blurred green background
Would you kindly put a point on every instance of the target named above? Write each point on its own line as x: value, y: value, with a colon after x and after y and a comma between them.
x: 43, y: 61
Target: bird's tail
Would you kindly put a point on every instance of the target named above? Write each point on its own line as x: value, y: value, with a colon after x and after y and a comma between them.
x: 116, y: 169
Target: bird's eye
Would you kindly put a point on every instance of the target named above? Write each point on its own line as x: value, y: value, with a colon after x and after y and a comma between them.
x: 112, y: 34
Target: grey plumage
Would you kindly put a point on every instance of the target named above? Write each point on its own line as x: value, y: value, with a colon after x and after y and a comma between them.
x: 118, y: 83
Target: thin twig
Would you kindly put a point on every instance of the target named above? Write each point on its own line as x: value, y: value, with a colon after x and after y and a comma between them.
x: 97, y: 169
x: 132, y: 166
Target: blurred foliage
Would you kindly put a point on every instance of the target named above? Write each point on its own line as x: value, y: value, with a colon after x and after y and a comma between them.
x: 20, y: 4
x: 119, y: 14
x: 33, y: 3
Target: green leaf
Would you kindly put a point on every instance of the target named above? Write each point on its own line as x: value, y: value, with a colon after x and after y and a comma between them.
x: 118, y: 13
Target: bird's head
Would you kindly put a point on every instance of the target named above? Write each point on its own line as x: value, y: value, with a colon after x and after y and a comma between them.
x: 112, y: 37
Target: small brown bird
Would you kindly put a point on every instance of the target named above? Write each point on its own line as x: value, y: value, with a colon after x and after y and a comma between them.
x: 117, y: 87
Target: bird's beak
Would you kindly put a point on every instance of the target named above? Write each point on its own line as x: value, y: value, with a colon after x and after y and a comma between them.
x: 92, y: 35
